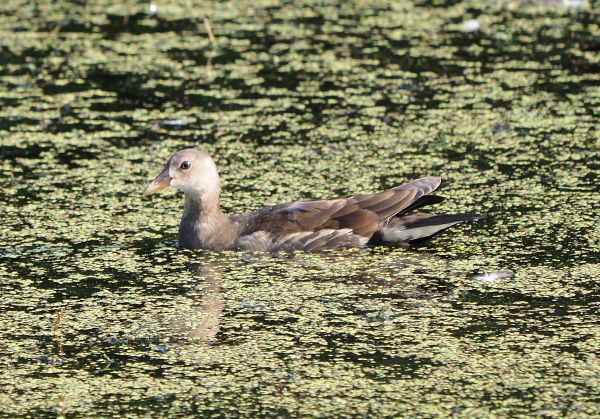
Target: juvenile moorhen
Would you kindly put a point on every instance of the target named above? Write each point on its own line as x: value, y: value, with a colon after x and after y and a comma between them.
x: 353, y: 221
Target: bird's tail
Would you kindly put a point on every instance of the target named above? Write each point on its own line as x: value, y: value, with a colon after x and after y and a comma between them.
x: 419, y: 227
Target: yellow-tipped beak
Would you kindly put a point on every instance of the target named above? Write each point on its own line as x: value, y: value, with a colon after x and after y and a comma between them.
x: 162, y: 181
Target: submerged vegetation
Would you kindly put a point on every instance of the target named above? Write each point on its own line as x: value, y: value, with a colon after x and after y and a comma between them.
x: 102, y: 315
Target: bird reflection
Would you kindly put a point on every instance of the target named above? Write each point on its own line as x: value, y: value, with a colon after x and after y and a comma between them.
x: 209, y: 306
x: 404, y: 274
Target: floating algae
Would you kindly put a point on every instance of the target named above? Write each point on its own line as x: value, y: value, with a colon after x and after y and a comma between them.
x: 296, y: 102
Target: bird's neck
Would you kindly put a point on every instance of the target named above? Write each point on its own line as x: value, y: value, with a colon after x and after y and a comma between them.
x: 203, y: 207
x: 203, y: 225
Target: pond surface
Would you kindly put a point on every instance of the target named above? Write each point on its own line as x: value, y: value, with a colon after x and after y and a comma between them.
x: 100, y: 314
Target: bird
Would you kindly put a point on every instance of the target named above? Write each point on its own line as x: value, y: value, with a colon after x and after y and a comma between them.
x: 385, y: 217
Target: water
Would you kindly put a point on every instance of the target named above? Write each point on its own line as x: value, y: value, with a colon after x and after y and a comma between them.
x: 298, y: 102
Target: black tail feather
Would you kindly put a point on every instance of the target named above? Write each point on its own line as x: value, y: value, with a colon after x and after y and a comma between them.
x: 434, y: 220
x: 418, y: 228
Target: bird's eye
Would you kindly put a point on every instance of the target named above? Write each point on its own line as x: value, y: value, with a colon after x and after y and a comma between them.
x: 186, y: 165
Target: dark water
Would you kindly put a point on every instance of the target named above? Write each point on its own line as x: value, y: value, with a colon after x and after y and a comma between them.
x: 294, y: 102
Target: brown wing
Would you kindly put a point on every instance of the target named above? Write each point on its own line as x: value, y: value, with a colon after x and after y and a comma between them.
x: 363, y: 214
x: 321, y: 239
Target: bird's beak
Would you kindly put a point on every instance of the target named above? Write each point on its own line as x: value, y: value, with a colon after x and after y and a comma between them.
x: 162, y: 181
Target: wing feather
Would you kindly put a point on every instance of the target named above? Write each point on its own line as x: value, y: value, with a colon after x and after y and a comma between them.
x: 316, y: 240
x: 361, y: 215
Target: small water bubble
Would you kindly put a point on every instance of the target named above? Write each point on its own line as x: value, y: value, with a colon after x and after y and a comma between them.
x: 110, y: 340
x: 470, y: 25
x: 408, y: 86
x: 162, y: 348
x: 573, y: 4
x: 499, y: 127
x: 494, y: 276
x: 172, y: 123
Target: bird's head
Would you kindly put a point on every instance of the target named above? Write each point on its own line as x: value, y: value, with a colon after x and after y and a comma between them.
x: 189, y: 170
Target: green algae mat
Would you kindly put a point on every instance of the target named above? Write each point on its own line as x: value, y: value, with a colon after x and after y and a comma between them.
x: 101, y: 315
